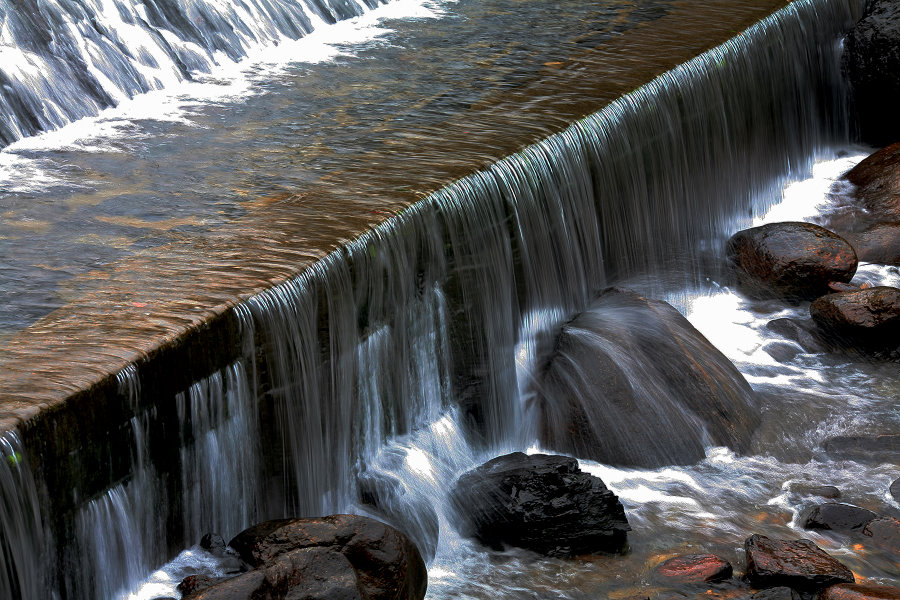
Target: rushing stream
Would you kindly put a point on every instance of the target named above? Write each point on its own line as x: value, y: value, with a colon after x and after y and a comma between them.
x: 402, y: 358
x: 708, y: 507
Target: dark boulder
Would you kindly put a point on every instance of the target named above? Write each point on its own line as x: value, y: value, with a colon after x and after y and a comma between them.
x: 852, y: 591
x: 776, y: 593
x: 836, y: 517
x: 541, y: 502
x: 884, y: 533
x: 797, y: 564
x: 895, y: 490
x: 386, y: 562
x: 874, y: 448
x: 339, y: 557
x: 872, y: 55
x: 866, y: 209
x: 868, y: 318
x: 876, y: 183
x: 792, y: 260
x: 694, y: 568
x: 628, y: 373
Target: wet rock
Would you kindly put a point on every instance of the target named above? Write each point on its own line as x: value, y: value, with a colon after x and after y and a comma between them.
x: 895, y: 490
x: 782, y: 351
x: 195, y: 583
x: 884, y: 533
x: 540, y: 502
x: 213, y: 543
x: 329, y: 557
x: 776, y: 593
x: 385, y: 496
x: 836, y: 517
x: 823, y: 491
x: 321, y: 573
x: 852, y: 591
x: 804, y: 333
x: 694, y: 568
x: 875, y: 448
x: 797, y: 564
x: 625, y: 374
x: 876, y: 182
x: 873, y: 62
x: 869, y: 318
x: 837, y: 286
x: 242, y: 587
x: 878, y: 243
x: 229, y: 561
x: 790, y: 260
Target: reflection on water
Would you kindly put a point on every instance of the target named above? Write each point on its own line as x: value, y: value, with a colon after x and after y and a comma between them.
x: 177, y: 164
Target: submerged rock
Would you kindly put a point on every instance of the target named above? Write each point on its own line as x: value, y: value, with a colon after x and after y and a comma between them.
x: 540, y: 502
x: 874, y: 448
x: 790, y: 260
x: 853, y: 591
x: 811, y: 489
x: 630, y: 382
x: 804, y: 332
x: 884, y: 533
x: 895, y: 490
x: 797, y: 564
x: 339, y: 557
x: 694, y: 568
x: 873, y: 65
x: 836, y: 517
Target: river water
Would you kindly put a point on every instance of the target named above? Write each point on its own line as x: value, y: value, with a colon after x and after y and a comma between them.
x: 712, y: 506
x: 383, y: 110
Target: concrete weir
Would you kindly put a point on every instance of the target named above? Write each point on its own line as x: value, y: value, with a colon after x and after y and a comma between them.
x: 173, y: 315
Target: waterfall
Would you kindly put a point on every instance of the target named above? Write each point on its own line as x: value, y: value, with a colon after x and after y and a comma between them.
x: 61, y: 60
x: 407, y: 345
x: 214, y: 486
x: 654, y: 181
x: 24, y: 550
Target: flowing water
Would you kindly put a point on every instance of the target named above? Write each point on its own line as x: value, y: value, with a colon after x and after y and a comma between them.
x: 397, y: 362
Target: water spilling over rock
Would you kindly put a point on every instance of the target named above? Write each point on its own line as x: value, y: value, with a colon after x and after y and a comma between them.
x: 626, y: 374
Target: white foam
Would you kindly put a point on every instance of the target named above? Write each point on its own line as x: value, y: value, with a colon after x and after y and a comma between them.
x: 805, y: 199
x: 116, y: 129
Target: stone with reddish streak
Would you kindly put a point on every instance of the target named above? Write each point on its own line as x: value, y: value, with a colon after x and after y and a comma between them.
x: 791, y: 260
x: 868, y: 317
x: 798, y: 564
x: 694, y: 568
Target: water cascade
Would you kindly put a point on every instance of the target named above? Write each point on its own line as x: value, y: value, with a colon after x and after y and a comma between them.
x: 374, y: 377
x: 70, y: 59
